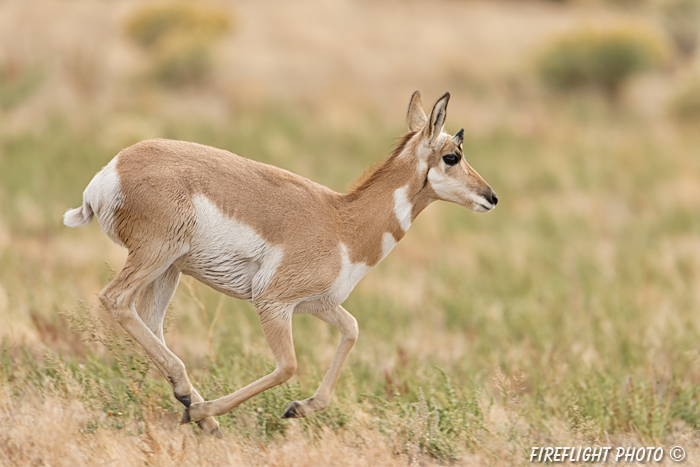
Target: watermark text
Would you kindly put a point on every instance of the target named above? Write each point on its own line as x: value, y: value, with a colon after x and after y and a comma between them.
x: 602, y: 454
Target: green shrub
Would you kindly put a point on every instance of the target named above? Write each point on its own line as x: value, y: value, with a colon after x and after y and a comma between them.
x: 685, y: 104
x: 155, y: 23
x: 178, y: 38
x: 603, y: 59
x: 182, y: 62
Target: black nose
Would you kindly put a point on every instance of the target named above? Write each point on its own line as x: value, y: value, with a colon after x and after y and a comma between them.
x: 492, y: 198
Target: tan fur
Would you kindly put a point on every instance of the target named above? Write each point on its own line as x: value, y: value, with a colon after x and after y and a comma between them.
x: 378, y: 168
x: 307, y: 225
x: 159, y: 177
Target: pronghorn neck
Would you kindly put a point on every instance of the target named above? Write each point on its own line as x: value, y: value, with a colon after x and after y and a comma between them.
x: 378, y: 213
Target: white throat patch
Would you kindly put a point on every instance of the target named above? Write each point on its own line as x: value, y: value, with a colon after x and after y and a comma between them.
x: 350, y: 275
x: 388, y: 243
x: 403, y: 207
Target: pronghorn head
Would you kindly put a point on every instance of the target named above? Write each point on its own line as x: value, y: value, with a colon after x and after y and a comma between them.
x: 441, y: 160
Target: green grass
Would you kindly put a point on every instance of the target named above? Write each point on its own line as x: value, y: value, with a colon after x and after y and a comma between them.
x: 571, y: 309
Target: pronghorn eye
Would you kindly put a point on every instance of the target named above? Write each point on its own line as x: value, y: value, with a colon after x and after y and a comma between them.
x: 451, y: 159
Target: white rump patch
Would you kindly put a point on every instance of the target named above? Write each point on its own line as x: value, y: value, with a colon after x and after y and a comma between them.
x: 228, y: 254
x: 403, y: 207
x: 103, y: 195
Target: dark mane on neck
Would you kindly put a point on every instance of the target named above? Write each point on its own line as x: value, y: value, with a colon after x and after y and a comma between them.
x: 379, y: 168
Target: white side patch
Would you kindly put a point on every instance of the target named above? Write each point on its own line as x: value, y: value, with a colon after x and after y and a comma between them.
x: 403, y: 207
x: 388, y: 243
x: 229, y: 254
x: 104, y: 197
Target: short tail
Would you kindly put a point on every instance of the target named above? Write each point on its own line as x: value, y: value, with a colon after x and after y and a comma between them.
x: 78, y: 217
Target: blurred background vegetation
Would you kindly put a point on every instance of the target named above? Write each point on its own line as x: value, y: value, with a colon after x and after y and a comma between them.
x: 568, y: 316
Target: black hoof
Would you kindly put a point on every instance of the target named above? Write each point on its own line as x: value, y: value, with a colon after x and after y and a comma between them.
x: 185, y: 417
x: 292, y: 411
x: 186, y: 401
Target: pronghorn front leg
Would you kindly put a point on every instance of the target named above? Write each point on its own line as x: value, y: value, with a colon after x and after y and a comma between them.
x: 347, y: 325
x: 277, y: 327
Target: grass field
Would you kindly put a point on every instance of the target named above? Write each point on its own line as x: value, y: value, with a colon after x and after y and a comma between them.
x: 566, y: 317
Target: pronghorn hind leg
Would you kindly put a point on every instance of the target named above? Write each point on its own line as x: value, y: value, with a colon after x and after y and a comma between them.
x: 347, y: 325
x: 151, y: 306
x: 154, y: 299
x: 277, y: 327
x: 119, y: 298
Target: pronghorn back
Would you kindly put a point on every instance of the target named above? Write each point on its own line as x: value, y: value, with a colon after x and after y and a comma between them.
x: 162, y: 178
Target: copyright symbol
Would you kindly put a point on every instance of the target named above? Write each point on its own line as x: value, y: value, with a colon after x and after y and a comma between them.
x: 676, y: 453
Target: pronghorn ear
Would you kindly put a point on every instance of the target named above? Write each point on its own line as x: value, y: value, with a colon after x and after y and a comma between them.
x: 459, y: 137
x: 415, y: 118
x: 437, y: 118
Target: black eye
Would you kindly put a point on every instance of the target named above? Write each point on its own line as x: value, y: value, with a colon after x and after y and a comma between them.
x: 451, y: 159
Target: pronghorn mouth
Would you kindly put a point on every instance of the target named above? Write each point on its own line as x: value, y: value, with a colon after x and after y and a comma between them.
x: 480, y: 203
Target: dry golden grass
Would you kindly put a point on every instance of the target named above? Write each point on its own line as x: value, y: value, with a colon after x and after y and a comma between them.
x: 49, y: 430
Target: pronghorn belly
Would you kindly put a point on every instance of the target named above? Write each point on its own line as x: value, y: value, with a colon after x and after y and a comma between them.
x: 227, y: 273
x: 228, y: 255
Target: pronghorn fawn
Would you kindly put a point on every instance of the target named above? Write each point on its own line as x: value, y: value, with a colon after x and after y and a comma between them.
x: 265, y: 235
